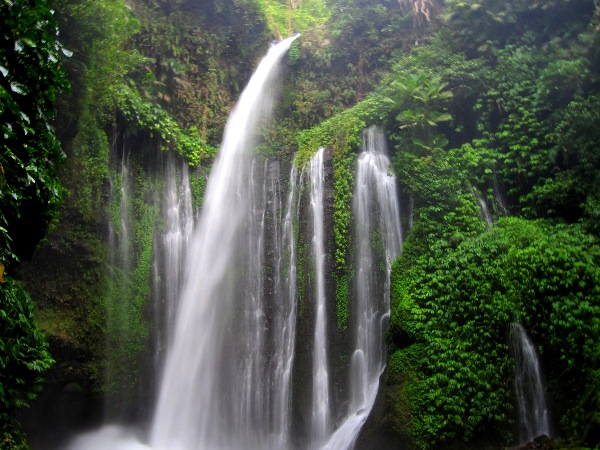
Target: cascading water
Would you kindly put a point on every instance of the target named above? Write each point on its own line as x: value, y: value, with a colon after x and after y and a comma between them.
x: 284, y: 323
x: 320, y: 422
x: 204, y: 399
x: 379, y: 239
x: 485, y: 210
x: 169, y: 251
x: 118, y: 290
x: 224, y: 386
x: 534, y: 417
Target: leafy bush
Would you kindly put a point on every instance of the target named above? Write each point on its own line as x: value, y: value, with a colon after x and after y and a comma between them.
x: 451, y: 318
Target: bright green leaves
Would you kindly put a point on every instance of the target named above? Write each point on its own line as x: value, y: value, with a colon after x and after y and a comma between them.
x: 154, y: 118
x: 456, y: 310
x: 422, y: 101
x: 30, y: 77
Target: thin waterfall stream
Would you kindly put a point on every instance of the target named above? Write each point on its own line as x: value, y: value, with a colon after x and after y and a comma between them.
x: 321, y: 419
x: 534, y: 416
x: 378, y: 236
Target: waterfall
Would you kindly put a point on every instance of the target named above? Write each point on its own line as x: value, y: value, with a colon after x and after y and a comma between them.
x: 118, y: 290
x: 169, y: 251
x: 378, y: 240
x: 226, y: 382
x: 320, y: 389
x: 284, y: 324
x: 499, y: 197
x: 534, y: 417
x: 485, y: 210
x: 205, y: 399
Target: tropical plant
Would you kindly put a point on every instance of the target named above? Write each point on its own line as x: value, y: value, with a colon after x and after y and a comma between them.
x: 422, y: 101
x: 23, y: 357
x: 30, y: 76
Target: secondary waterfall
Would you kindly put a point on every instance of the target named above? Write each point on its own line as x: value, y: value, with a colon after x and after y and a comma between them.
x: 119, y: 293
x: 284, y: 311
x: 486, y: 215
x: 534, y: 417
x: 378, y: 237
x: 320, y: 390
x: 214, y: 389
x: 171, y: 238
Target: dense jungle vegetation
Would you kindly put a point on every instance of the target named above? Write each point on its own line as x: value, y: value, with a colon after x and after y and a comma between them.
x: 480, y: 99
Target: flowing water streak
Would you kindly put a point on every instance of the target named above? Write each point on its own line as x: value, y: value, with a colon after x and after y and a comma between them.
x: 378, y: 237
x: 485, y: 210
x: 169, y: 250
x: 198, y: 374
x: 320, y: 423
x: 246, y: 379
x: 534, y: 417
x: 118, y: 290
x: 284, y: 324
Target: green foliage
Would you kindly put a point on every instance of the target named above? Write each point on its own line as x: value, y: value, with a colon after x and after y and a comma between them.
x: 154, y: 118
x: 341, y: 296
x: 197, y: 58
x: 24, y: 357
x: 419, y: 99
x: 284, y: 18
x: 98, y: 33
x: 484, y: 26
x: 294, y: 52
x: 344, y: 60
x: 198, y: 185
x: 451, y: 318
x: 30, y: 77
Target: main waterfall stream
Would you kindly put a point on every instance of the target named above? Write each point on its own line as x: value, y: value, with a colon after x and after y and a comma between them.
x: 215, y: 387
